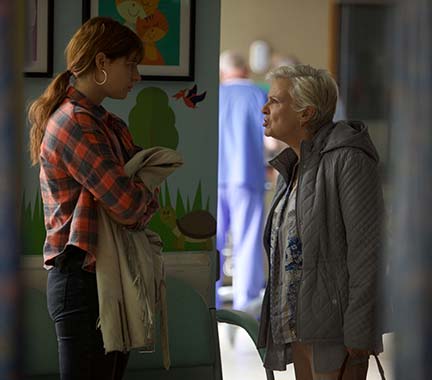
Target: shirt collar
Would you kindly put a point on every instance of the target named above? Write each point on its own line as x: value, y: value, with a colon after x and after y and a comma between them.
x: 79, y: 98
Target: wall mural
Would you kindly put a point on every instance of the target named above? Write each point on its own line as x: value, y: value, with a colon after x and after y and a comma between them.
x: 184, y: 225
x: 152, y: 120
x: 32, y: 224
x: 190, y: 98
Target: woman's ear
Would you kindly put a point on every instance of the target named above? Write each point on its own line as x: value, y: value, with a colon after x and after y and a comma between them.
x: 307, y: 114
x: 100, y: 60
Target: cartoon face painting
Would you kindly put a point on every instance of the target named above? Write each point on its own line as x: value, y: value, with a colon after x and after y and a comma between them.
x: 130, y: 11
x: 151, y: 25
x: 151, y: 29
x: 150, y: 6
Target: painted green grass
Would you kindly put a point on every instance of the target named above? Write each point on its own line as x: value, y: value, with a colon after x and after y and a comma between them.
x: 32, y: 226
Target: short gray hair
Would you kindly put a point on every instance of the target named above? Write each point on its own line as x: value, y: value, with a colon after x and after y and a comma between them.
x: 310, y: 87
x: 231, y: 60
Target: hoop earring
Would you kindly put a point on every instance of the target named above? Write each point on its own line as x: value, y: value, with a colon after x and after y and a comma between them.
x: 104, y: 80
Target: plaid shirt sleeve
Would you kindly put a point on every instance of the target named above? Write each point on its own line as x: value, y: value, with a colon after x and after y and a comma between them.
x: 133, y: 149
x: 90, y: 160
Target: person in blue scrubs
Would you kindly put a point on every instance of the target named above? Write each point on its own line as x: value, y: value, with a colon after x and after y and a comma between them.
x: 241, y: 178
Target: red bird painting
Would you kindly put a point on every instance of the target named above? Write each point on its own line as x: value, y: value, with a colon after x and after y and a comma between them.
x: 191, y: 98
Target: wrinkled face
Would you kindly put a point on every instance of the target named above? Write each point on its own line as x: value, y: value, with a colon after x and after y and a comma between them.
x: 122, y: 75
x: 280, y: 120
x: 130, y: 10
x: 150, y: 6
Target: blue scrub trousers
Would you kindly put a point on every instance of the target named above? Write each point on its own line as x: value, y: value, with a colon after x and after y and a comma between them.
x: 240, y: 210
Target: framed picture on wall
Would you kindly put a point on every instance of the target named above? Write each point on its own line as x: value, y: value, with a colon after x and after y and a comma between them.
x: 39, y: 38
x: 166, y: 29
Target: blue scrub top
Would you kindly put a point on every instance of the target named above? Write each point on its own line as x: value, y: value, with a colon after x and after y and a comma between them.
x: 241, y: 147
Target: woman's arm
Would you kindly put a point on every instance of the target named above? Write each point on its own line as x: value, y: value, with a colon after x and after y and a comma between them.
x: 86, y: 152
x: 362, y: 208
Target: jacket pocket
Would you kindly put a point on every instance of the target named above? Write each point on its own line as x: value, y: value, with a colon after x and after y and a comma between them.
x: 325, y: 309
x: 339, y: 305
x: 321, y: 300
x: 336, y: 302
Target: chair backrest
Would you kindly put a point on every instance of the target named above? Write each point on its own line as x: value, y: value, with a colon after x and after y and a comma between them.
x: 190, y: 327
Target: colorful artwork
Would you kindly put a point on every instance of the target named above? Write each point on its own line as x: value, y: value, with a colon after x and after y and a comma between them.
x: 151, y: 24
x: 190, y: 97
x: 152, y: 28
x: 165, y: 28
x: 130, y: 11
x: 152, y: 123
x: 184, y: 227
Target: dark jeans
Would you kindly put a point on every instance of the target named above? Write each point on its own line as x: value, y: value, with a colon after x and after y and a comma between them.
x: 73, y: 306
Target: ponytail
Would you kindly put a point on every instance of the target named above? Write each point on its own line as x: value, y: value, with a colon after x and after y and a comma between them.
x: 41, y: 110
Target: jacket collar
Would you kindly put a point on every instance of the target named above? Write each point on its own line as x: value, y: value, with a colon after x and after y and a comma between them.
x: 285, y: 161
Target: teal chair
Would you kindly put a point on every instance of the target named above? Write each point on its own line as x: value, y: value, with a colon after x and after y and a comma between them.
x: 249, y: 324
x: 193, y: 338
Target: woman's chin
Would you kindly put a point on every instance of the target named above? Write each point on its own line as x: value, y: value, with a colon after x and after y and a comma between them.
x: 268, y: 132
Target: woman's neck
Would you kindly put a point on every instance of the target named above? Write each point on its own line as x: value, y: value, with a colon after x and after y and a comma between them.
x: 86, y: 87
x: 306, y: 135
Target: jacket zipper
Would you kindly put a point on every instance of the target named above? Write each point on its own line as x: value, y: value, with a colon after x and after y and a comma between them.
x: 300, y: 165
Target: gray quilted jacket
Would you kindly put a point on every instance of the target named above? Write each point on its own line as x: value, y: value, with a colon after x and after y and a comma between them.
x: 339, y: 218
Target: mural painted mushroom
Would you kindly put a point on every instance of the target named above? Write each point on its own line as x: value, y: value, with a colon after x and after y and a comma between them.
x: 195, y: 227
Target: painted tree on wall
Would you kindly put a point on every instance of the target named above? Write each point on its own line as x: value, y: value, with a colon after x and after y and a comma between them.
x: 152, y: 123
x: 152, y: 120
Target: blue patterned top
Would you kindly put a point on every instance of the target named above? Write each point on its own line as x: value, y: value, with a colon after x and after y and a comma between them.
x: 286, y: 263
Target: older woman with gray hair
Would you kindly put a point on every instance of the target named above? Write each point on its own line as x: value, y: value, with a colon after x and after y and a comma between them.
x: 323, y: 233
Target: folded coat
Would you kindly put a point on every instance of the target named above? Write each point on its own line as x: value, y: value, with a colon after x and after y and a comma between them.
x: 130, y: 268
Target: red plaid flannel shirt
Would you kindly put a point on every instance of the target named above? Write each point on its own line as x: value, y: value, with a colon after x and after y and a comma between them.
x: 82, y: 159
